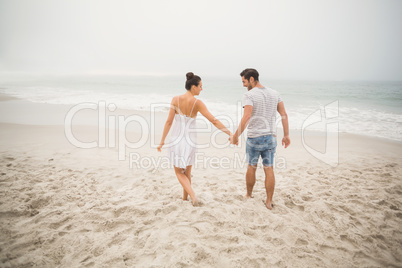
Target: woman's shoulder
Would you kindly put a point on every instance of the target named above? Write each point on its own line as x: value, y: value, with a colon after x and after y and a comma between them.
x: 175, y: 98
x: 199, y: 103
x: 178, y: 96
x: 200, y: 100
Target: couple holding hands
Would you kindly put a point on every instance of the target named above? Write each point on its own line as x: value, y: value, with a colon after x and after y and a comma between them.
x: 260, y: 106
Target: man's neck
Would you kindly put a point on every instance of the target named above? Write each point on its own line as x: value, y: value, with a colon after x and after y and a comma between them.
x: 257, y: 84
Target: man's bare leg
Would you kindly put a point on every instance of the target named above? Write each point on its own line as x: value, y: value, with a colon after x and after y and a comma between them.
x: 188, y: 175
x: 250, y: 180
x: 269, y: 185
x: 185, y: 183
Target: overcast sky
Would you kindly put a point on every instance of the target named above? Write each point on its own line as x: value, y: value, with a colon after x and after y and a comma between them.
x: 283, y: 39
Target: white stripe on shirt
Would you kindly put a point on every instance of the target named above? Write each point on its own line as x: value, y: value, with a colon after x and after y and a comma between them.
x: 263, y: 118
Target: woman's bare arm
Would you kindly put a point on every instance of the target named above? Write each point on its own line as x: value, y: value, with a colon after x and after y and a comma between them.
x: 168, y: 124
x: 202, y: 108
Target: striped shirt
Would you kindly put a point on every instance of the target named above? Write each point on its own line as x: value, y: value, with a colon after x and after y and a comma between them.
x: 263, y: 118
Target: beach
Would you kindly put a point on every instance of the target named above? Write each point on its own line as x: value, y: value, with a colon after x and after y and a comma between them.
x: 64, y: 206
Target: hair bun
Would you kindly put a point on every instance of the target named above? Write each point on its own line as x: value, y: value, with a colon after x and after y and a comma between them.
x: 189, y: 75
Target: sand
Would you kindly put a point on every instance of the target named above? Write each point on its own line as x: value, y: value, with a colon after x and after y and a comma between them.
x: 62, y: 206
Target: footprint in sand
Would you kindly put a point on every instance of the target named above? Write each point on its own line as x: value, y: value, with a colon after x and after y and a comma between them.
x: 301, y: 242
x: 391, y: 165
x: 307, y: 198
x: 290, y: 204
x: 278, y: 242
x: 356, y: 171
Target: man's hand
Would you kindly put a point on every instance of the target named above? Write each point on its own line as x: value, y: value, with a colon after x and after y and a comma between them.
x: 286, y: 141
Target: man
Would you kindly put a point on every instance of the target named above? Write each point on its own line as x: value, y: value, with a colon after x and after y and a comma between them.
x: 260, y: 106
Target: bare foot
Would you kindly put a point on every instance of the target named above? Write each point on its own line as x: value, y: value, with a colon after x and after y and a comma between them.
x: 195, y: 202
x: 269, y: 204
x: 247, y: 197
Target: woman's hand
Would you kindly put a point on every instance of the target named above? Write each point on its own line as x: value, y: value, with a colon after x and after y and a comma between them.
x: 233, y: 140
x: 160, y: 146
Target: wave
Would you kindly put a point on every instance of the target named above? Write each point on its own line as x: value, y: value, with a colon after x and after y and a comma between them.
x: 354, y: 120
x: 350, y: 120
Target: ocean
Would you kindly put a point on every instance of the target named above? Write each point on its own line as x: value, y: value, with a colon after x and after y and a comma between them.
x: 365, y: 108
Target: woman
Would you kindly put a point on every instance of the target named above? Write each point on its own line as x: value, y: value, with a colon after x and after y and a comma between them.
x: 183, y: 110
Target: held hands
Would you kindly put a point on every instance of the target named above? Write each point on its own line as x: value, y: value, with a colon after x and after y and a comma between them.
x: 233, y: 140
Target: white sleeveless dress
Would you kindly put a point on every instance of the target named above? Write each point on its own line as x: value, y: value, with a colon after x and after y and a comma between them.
x: 183, y: 138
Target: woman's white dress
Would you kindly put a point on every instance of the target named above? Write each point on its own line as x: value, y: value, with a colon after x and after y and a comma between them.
x: 183, y: 138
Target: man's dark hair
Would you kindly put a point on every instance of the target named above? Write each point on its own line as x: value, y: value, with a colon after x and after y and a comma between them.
x: 249, y: 72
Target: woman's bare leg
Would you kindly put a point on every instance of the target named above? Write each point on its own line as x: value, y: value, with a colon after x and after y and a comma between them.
x: 188, y: 175
x: 186, y: 184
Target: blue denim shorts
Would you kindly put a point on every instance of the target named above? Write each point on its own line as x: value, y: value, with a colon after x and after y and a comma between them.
x: 264, y: 146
